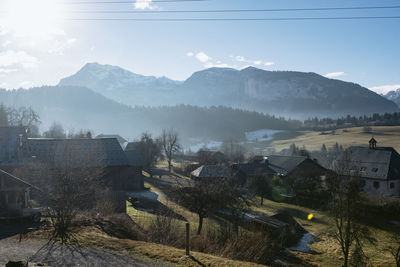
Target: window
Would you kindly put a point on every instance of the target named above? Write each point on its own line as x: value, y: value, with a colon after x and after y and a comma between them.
x: 376, y: 185
x: 374, y: 169
x: 392, y: 185
x: 363, y: 169
x: 362, y: 183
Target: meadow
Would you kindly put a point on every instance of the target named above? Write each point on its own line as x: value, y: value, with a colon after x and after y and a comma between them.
x: 313, y: 140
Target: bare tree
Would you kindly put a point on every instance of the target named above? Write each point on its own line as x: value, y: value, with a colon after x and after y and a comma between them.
x: 203, y: 198
x: 71, y: 185
x: 23, y: 117
x: 55, y: 131
x: 170, y: 144
x: 260, y: 186
x: 149, y: 150
x: 345, y: 202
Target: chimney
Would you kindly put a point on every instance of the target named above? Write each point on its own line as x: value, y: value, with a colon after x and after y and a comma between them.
x: 372, y: 143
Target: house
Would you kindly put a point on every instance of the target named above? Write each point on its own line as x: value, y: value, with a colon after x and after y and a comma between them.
x: 102, y: 155
x: 132, y: 146
x: 210, y: 172
x: 243, y: 173
x: 378, y: 167
x: 135, y: 161
x: 15, y: 196
x: 291, y: 166
x: 288, y: 167
x: 210, y: 157
x: 12, y: 144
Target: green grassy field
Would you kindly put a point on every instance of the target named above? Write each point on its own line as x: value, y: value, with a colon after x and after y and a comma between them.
x: 313, y: 140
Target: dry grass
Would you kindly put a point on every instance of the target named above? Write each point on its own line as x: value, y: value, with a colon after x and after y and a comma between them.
x: 385, y: 135
x: 94, y: 237
x: 328, y: 253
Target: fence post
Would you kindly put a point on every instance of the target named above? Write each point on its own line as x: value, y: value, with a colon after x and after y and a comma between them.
x: 187, y: 243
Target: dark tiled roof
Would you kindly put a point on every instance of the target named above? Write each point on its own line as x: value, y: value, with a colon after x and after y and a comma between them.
x: 376, y: 163
x: 285, y: 164
x: 134, y: 158
x: 120, y: 139
x: 78, y: 152
x: 211, y: 171
x: 254, y: 169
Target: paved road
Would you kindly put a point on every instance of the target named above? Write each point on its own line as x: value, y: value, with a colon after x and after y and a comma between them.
x: 37, y: 251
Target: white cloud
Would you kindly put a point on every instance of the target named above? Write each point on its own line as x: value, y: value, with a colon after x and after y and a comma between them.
x: 189, y: 54
x: 60, y: 45
x: 240, y: 59
x: 6, y: 43
x: 143, y: 4
x: 384, y: 89
x: 5, y: 70
x: 334, y: 74
x: 21, y: 58
x: 203, y: 57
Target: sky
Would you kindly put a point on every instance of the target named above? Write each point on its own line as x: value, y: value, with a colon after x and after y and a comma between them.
x: 43, y: 41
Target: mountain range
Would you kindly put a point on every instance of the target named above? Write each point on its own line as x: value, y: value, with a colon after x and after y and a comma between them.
x: 81, y: 108
x: 285, y: 93
x: 393, y: 96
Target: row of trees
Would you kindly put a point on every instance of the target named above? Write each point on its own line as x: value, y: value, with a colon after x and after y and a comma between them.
x: 387, y: 119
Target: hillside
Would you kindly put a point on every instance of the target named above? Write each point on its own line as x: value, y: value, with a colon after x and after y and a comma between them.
x: 288, y: 93
x: 313, y: 140
x: 81, y: 108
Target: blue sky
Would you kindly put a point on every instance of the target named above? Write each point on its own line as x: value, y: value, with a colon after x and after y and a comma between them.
x: 39, y: 44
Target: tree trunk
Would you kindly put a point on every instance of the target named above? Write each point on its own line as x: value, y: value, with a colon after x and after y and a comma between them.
x: 200, y: 225
x: 262, y: 201
x: 169, y: 165
x: 346, y: 259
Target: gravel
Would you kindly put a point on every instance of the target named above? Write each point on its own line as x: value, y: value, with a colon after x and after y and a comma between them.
x: 57, y: 255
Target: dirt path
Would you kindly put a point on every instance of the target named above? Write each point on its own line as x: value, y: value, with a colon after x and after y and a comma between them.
x: 37, y: 251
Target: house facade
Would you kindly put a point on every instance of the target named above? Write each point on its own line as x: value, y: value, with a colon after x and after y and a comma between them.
x: 14, y: 195
x: 377, y: 167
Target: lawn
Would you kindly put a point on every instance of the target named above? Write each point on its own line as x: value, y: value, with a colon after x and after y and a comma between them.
x: 313, y: 140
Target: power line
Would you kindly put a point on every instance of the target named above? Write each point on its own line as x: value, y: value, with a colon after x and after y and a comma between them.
x: 127, y: 2
x: 234, y: 10
x: 239, y: 19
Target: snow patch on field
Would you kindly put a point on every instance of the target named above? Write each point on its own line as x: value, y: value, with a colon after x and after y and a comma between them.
x: 261, y: 135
